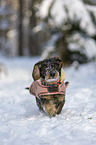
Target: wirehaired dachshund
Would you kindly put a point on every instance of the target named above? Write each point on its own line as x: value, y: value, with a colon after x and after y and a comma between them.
x: 48, y: 87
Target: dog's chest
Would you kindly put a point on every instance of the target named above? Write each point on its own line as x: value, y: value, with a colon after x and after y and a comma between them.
x: 53, y: 88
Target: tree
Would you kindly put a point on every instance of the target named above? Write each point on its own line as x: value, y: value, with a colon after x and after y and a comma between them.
x: 74, y: 26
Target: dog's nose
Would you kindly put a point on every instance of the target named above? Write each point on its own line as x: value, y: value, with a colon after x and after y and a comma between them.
x: 52, y: 74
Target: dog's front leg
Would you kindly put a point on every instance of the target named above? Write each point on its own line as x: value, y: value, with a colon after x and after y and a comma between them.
x: 50, y: 108
x: 60, y: 103
x: 60, y: 106
x: 39, y: 103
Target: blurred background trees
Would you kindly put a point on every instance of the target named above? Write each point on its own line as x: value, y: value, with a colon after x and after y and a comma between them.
x: 64, y: 28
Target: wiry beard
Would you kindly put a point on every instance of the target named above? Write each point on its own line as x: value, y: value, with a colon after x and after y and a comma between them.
x: 50, y: 79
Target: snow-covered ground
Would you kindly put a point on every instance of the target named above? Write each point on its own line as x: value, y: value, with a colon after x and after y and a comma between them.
x: 21, y: 122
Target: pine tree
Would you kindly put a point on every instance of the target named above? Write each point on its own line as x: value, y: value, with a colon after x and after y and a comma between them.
x: 73, y: 24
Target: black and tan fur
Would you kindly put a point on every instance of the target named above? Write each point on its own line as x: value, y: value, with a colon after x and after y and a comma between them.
x: 49, y: 70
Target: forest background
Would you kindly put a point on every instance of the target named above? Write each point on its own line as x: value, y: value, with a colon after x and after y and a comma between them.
x: 64, y: 28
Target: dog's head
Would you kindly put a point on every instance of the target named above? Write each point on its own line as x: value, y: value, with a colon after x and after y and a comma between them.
x: 49, y: 70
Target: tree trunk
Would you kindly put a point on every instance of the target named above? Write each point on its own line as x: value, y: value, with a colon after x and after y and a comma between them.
x: 20, y: 27
x: 33, y: 38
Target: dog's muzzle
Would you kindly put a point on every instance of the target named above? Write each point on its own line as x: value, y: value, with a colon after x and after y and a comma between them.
x: 52, y: 76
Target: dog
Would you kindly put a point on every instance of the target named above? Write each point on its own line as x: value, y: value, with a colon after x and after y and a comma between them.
x: 48, y: 86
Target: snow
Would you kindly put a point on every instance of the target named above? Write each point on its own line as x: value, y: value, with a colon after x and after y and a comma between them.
x: 73, y: 10
x: 21, y: 122
x: 87, y: 46
x: 58, y: 12
x: 92, y: 9
x: 44, y: 7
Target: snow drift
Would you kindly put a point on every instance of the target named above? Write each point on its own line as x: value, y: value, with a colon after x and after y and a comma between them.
x: 21, y: 123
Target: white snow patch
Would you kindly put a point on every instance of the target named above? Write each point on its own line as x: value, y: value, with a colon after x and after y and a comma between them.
x: 21, y: 122
x: 64, y: 10
x: 58, y: 12
x: 44, y: 7
x: 78, y: 42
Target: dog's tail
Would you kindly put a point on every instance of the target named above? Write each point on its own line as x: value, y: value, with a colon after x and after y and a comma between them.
x: 27, y: 88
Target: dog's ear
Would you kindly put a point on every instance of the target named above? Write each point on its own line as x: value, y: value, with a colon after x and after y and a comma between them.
x: 36, y: 71
x: 59, y: 61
